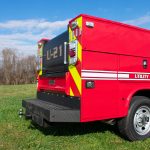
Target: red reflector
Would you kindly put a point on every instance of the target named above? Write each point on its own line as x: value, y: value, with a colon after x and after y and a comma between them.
x: 72, y: 53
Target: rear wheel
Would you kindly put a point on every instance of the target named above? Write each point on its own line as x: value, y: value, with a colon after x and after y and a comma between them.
x: 136, y: 126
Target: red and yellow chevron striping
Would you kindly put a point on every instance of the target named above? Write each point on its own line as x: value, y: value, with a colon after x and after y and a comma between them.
x: 74, y: 70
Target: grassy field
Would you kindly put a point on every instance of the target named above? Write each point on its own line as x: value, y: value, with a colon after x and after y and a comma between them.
x: 19, y: 134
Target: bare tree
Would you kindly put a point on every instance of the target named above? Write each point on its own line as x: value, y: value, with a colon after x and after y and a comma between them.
x: 15, y: 69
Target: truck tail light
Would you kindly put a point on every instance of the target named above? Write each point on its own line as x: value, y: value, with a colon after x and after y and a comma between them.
x: 73, y: 51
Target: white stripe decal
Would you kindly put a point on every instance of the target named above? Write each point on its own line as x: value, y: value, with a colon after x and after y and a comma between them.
x: 115, y: 79
x: 114, y: 75
x: 136, y: 79
x: 123, y: 76
x: 134, y: 72
x: 121, y: 72
x: 99, y: 78
x: 99, y: 71
x: 99, y: 75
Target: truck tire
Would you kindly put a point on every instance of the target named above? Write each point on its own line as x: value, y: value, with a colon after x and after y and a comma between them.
x: 136, y: 125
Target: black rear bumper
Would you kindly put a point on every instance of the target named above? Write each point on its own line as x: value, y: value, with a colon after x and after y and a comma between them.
x: 52, y: 108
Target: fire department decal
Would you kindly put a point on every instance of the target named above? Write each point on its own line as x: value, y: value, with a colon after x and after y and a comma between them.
x: 140, y: 76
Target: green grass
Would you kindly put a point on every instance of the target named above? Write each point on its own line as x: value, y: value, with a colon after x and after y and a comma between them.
x: 19, y: 134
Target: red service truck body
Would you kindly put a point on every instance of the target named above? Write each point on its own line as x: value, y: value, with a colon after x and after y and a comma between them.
x: 97, y: 70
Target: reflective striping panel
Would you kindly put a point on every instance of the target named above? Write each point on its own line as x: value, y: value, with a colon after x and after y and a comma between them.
x: 74, y: 70
x: 76, y: 77
x: 71, y: 92
x: 79, y: 51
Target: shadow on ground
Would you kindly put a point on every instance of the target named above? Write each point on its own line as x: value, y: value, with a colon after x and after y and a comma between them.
x: 71, y: 129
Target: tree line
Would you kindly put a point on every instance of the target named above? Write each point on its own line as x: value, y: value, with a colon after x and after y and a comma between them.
x: 17, y: 69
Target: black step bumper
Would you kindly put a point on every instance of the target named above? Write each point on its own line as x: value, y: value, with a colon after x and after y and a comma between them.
x: 39, y: 110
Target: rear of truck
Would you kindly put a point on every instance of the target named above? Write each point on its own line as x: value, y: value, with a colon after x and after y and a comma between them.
x: 94, y: 72
x: 58, y: 78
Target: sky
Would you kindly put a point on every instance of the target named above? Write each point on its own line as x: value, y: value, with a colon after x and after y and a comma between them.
x: 24, y: 22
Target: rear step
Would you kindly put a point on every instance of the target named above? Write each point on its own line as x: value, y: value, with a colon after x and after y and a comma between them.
x: 40, y: 110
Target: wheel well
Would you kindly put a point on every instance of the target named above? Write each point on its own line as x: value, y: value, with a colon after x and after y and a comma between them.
x: 142, y: 93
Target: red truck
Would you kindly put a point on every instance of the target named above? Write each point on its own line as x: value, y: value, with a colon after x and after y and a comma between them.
x: 96, y: 70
